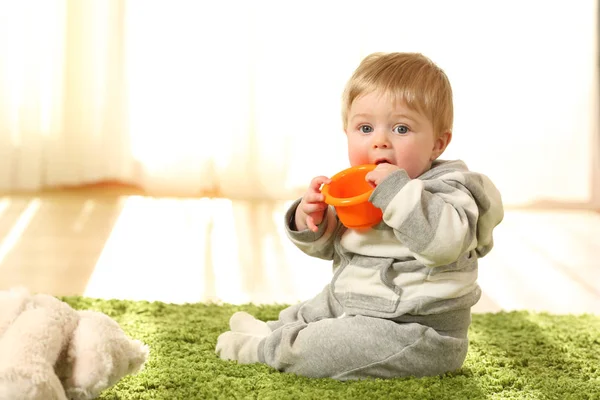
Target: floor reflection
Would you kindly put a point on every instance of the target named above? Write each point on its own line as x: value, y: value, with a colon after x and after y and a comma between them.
x: 217, y: 250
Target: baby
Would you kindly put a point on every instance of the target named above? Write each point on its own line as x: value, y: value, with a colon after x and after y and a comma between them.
x: 399, y: 303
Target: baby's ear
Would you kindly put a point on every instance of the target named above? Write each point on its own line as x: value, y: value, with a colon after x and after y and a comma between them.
x: 440, y: 144
x: 137, y: 355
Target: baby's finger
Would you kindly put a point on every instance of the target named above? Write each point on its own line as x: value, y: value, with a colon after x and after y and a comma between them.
x: 310, y: 208
x: 371, y: 179
x: 310, y: 223
x: 314, y: 197
x: 316, y: 183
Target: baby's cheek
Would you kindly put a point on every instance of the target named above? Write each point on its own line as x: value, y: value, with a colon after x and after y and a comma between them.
x: 416, y: 170
x: 357, y: 160
x: 356, y: 154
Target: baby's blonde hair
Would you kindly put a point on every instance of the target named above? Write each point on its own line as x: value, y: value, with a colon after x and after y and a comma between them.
x: 408, y: 77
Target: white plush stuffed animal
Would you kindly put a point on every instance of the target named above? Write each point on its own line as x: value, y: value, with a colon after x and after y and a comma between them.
x: 49, y: 351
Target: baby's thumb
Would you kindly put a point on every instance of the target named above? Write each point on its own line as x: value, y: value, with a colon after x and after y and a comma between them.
x: 370, y: 179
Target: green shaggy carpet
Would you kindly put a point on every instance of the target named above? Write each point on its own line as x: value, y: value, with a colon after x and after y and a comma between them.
x: 514, y: 355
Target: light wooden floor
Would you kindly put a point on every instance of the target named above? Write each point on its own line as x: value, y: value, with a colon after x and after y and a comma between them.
x: 183, y: 250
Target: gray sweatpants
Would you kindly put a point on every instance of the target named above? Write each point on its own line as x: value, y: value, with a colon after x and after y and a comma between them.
x: 315, y: 339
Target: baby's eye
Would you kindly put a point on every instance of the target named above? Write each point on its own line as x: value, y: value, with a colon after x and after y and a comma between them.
x: 400, y: 129
x: 365, y: 129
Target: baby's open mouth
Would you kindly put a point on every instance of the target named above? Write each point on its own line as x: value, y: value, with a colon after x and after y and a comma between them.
x: 381, y: 161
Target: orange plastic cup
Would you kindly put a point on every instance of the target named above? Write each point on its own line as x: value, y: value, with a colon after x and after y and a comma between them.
x: 349, y: 193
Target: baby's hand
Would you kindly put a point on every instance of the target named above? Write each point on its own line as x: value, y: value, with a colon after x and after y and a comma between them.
x: 312, y: 207
x: 380, y: 172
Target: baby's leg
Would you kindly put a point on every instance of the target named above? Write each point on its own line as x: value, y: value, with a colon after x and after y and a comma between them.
x: 243, y: 322
x: 322, y: 306
x: 360, y: 347
x: 319, y: 307
x: 242, y: 341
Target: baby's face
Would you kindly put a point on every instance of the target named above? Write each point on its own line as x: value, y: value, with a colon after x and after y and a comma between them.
x: 380, y: 131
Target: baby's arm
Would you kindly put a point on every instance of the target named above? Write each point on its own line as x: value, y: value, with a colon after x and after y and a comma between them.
x: 310, y: 222
x: 312, y: 208
x: 316, y: 244
x: 442, y: 217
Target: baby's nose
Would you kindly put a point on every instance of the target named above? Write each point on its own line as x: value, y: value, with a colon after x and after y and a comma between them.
x: 380, y: 140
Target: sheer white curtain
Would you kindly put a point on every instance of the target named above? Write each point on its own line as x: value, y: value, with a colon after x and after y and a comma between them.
x: 242, y: 99
x: 63, y: 105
